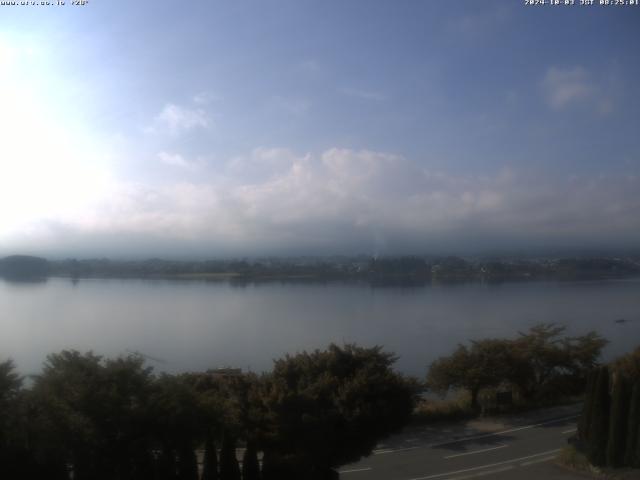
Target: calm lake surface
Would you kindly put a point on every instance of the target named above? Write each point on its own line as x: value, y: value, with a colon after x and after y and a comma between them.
x: 188, y: 325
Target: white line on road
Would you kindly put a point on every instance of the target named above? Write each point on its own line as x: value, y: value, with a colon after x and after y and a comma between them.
x: 482, y: 474
x: 484, y: 435
x: 476, y: 451
x: 481, y: 467
x: 473, y: 437
x: 354, y: 470
x: 382, y: 452
x: 570, y: 431
x: 539, y: 460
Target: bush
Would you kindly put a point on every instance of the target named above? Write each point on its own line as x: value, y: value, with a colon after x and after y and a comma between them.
x: 450, y: 409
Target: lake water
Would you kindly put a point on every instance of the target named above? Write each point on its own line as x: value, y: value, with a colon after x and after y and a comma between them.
x: 186, y: 325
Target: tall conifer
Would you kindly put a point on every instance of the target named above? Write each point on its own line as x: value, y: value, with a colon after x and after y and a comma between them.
x: 618, y: 421
x: 633, y: 429
x: 599, y: 425
x: 587, y: 410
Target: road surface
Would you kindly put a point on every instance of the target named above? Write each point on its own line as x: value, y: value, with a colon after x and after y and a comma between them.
x: 522, y: 447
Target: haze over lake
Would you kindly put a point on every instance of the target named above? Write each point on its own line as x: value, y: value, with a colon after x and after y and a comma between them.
x: 193, y: 325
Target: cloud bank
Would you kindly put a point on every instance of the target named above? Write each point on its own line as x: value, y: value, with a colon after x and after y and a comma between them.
x: 345, y: 201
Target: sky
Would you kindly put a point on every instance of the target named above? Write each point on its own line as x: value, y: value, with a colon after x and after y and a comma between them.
x: 217, y: 128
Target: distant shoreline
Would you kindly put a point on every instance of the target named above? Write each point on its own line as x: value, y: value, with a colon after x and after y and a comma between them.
x: 407, y: 270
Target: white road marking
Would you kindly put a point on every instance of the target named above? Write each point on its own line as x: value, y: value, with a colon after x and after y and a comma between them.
x: 517, y: 429
x: 540, y: 460
x: 476, y: 451
x: 476, y: 437
x: 382, y: 452
x: 354, y: 470
x: 482, y: 467
x: 570, y: 431
x: 482, y: 474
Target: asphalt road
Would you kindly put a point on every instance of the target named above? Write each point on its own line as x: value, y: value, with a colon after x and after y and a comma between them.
x: 518, y: 449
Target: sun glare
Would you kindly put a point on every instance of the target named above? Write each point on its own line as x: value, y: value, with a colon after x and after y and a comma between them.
x: 50, y: 169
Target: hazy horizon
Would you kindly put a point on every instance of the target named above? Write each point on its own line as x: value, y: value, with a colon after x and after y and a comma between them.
x: 149, y: 129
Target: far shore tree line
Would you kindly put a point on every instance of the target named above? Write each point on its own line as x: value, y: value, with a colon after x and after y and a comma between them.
x: 88, y: 417
x: 384, y: 270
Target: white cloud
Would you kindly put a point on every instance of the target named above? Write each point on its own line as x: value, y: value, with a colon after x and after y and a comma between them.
x: 176, y: 160
x: 566, y: 86
x: 357, y: 200
x: 204, y: 98
x: 261, y: 163
x: 176, y: 119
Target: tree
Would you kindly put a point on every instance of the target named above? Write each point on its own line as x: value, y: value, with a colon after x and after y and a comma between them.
x: 250, y: 465
x: 631, y: 457
x: 187, y: 463
x: 23, y: 267
x: 599, y: 423
x: 328, y: 408
x: 486, y: 363
x: 229, y: 468
x: 629, y: 364
x: 587, y: 409
x: 550, y: 363
x: 93, y: 413
x: 12, y: 463
x: 166, y: 465
x: 278, y: 467
x: 618, y: 419
x: 179, y: 421
x: 10, y: 389
x: 210, y: 462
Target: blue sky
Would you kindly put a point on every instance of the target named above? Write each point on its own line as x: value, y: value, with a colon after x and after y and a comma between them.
x: 236, y: 128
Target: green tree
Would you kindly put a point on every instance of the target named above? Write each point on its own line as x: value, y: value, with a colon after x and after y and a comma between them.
x: 328, y: 408
x: 210, y: 461
x: 618, y: 419
x: 250, y: 465
x: 629, y: 364
x: 166, y: 465
x: 10, y: 390
x: 12, y: 429
x: 187, y: 463
x: 486, y: 363
x: 278, y: 467
x: 599, y: 423
x: 587, y: 409
x: 94, y: 413
x: 631, y: 457
x: 229, y: 468
x: 550, y: 363
x: 180, y: 421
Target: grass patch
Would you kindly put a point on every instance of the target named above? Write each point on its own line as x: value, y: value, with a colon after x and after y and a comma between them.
x: 457, y: 406
x: 440, y: 410
x: 571, y: 458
